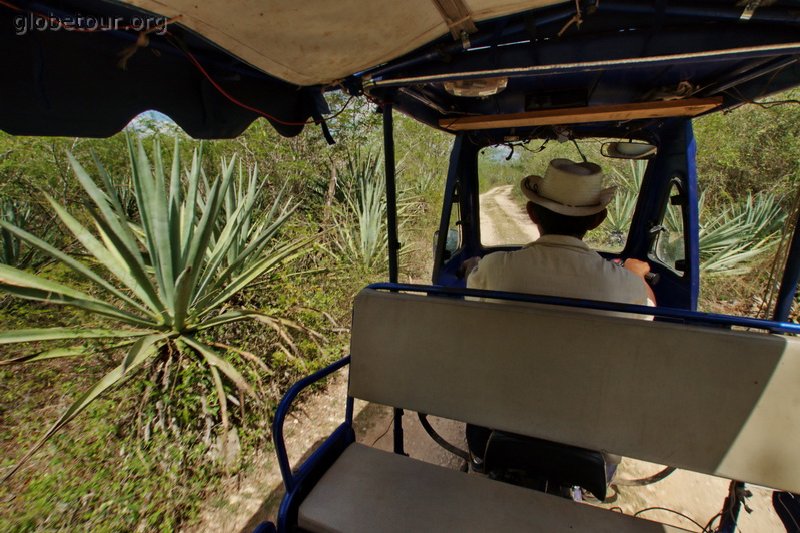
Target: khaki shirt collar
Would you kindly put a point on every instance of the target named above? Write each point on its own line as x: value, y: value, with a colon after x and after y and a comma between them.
x: 562, y: 241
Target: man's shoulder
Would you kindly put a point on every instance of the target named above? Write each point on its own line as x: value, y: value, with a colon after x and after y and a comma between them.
x: 491, y: 267
x: 628, y: 284
x: 487, y: 263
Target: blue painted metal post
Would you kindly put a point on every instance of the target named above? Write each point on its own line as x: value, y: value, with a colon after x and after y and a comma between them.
x: 391, y: 228
x: 692, y: 223
x: 391, y: 194
x: 675, y: 160
x: 791, y: 275
x: 447, y: 207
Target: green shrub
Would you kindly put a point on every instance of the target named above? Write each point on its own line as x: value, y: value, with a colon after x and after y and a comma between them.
x: 361, y: 218
x: 11, y: 250
x: 165, y: 279
x: 730, y: 240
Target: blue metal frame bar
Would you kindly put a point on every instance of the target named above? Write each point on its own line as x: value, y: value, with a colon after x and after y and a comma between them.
x: 299, y: 483
x: 449, y: 191
x: 691, y: 215
x: 469, y: 199
x: 675, y: 161
x: 290, y: 479
x: 682, y: 315
x: 391, y: 229
x: 391, y: 193
x: 791, y: 275
x: 310, y: 472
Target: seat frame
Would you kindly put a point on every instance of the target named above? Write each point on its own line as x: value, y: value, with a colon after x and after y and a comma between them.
x: 300, y: 482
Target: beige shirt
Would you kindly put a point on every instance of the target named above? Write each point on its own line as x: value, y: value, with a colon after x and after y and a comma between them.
x: 558, y: 265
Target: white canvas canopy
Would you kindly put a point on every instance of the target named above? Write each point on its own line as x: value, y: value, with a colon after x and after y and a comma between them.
x: 307, y: 42
x: 223, y: 63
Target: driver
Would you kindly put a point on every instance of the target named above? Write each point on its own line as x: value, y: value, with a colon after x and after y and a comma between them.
x: 565, y: 203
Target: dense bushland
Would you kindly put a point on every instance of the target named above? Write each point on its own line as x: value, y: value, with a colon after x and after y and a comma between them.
x: 147, y: 453
x: 188, y: 410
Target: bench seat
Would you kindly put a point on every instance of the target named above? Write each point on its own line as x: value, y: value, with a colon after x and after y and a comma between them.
x: 711, y: 400
x: 372, y: 490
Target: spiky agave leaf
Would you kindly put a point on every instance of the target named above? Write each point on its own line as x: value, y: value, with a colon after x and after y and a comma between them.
x: 361, y: 222
x: 620, y: 211
x: 732, y: 238
x: 140, y: 352
x: 11, y: 251
x: 163, y: 277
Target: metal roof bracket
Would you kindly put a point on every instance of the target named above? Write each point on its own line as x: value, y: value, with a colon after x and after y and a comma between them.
x: 750, y: 9
x: 458, y: 19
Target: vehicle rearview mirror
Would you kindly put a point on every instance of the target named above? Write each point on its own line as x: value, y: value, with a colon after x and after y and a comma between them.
x: 628, y: 150
x: 452, y: 243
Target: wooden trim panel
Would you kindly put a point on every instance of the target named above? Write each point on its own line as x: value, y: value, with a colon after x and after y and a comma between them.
x: 574, y: 115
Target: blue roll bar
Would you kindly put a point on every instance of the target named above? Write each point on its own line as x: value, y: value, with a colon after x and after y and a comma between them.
x: 290, y: 479
x: 791, y: 275
x: 668, y: 313
x: 391, y: 229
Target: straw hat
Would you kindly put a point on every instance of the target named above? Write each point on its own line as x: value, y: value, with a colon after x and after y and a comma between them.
x: 573, y: 189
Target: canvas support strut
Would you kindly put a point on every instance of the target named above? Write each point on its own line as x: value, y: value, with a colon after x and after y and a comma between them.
x: 457, y: 17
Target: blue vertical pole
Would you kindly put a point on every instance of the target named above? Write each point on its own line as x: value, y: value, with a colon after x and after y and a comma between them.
x: 447, y: 207
x: 391, y: 229
x: 391, y: 194
x: 692, y: 214
x: 791, y: 275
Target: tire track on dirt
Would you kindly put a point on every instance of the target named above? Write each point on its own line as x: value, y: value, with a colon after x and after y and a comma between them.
x: 503, y: 220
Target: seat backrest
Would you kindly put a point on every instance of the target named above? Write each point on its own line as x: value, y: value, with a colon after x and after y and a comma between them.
x: 710, y: 400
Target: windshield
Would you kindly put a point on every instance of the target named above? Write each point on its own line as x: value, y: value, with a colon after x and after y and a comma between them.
x: 503, y: 218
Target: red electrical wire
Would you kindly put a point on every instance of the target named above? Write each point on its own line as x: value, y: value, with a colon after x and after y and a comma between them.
x: 61, y: 24
x: 224, y: 93
x: 10, y: 6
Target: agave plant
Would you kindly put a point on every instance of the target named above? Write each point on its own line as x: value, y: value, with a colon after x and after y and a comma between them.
x: 361, y: 220
x: 620, y: 211
x: 11, y: 252
x: 164, y: 279
x: 363, y: 237
x: 243, y: 196
x: 732, y: 238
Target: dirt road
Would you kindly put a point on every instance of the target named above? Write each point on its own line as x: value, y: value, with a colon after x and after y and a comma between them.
x: 503, y: 221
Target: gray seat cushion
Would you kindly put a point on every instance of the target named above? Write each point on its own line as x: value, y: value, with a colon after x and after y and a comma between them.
x: 371, y: 490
